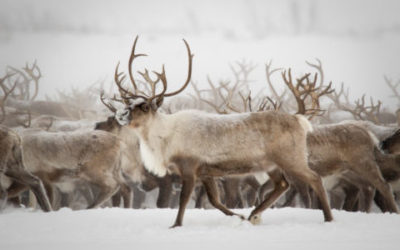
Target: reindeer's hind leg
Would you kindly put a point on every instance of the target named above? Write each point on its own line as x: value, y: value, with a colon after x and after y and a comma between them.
x: 125, y: 192
x: 352, y: 193
x: 105, y: 193
x: 368, y: 194
x: 380, y: 202
x: 127, y: 195
x: 199, y: 194
x: 280, y: 186
x: 3, y: 198
x: 35, y: 184
x: 116, y: 199
x: 138, y: 197
x: 372, y: 174
x: 304, y: 174
x: 164, y: 191
x: 213, y: 196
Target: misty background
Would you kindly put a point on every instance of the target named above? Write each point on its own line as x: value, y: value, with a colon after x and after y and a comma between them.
x: 79, y: 42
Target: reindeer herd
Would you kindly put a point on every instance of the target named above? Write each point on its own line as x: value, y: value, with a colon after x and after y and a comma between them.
x: 220, y: 142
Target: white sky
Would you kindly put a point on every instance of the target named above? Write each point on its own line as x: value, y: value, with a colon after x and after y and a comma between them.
x: 79, y: 42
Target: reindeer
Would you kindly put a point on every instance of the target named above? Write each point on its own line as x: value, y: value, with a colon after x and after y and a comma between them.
x: 133, y: 169
x: 65, y: 159
x: 11, y: 161
x: 12, y: 166
x: 199, y: 145
x: 344, y: 150
x: 352, y: 149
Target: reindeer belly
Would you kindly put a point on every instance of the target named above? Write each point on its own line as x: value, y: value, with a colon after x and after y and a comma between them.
x: 232, y: 168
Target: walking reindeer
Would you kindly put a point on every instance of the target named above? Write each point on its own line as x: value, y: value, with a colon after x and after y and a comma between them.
x: 201, y: 146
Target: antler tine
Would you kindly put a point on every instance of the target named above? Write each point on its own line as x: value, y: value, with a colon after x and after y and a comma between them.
x: 161, y: 76
x: 131, y: 58
x: 23, y: 85
x: 263, y: 104
x: 393, y: 87
x: 148, y: 79
x: 269, y: 73
x: 125, y: 94
x: 275, y: 104
x: 242, y: 73
x: 119, y: 81
x: 190, y: 55
x: 6, y: 92
x: 34, y: 77
x: 108, y: 105
x: 319, y: 69
x: 295, y: 90
x: 304, y: 90
x: 246, y: 100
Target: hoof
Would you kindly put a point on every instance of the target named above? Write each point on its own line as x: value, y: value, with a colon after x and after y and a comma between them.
x: 175, y: 225
x: 255, y: 219
x: 242, y: 217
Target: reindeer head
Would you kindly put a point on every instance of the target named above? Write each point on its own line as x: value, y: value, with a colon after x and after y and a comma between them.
x: 109, y: 125
x: 140, y: 106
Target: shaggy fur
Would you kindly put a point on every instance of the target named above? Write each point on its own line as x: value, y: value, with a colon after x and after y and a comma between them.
x: 195, y: 144
x: 347, y: 151
x: 12, y: 166
x: 69, y: 157
x: 241, y: 139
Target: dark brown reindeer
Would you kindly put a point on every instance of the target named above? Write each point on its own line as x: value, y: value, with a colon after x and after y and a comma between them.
x: 198, y: 145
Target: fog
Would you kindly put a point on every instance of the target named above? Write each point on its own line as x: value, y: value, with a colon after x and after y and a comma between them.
x: 79, y: 42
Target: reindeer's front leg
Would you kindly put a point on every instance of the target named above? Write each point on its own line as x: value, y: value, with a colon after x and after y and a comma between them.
x: 188, y: 182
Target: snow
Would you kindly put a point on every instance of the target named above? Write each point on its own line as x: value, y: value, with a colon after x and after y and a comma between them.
x: 117, y: 228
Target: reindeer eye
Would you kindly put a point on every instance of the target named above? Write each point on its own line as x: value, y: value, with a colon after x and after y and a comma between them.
x: 145, y: 107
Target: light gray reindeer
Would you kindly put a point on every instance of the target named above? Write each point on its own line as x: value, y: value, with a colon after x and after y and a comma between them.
x: 199, y: 145
x: 12, y: 166
x: 65, y: 159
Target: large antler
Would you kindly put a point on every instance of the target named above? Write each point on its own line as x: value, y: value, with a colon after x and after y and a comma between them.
x: 35, y: 77
x: 394, y: 87
x: 28, y: 74
x: 363, y: 112
x: 215, y: 100
x: 6, y: 93
x: 303, y: 90
x: 131, y: 58
x: 189, y: 76
x: 107, y: 104
x: 268, y: 73
x: 126, y: 94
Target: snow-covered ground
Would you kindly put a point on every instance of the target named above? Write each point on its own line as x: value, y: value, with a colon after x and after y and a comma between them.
x: 115, y: 228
